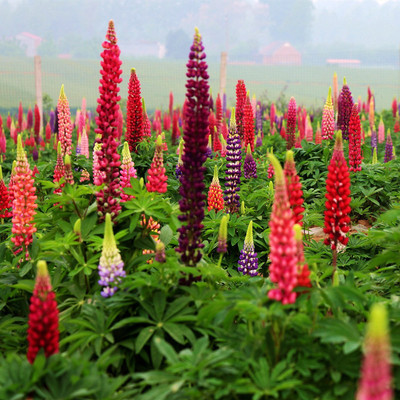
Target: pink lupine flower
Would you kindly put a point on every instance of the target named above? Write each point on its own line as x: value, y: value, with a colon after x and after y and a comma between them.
x: 64, y: 123
x: 328, y: 118
x: 128, y: 171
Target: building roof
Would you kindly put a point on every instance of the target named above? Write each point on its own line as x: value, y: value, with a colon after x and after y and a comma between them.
x: 30, y: 36
x: 274, y: 46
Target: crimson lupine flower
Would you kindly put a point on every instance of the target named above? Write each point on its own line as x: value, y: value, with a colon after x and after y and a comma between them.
x: 156, y: 178
x: 171, y: 104
x: 107, y: 122
x: 355, y: 156
x: 43, y: 330
x: 283, y: 267
x: 338, y: 199
x: 146, y: 122
x: 9, y: 121
x: 293, y: 186
x: 388, y: 148
x: 195, y: 148
x: 166, y: 122
x: 128, y: 171
x: 5, y: 203
x: 239, y: 110
x: 215, y: 199
x: 175, y: 128
x: 233, y: 165
x: 394, y: 107
x: 111, y: 266
x: 218, y: 114
x: 345, y: 106
x: 64, y: 124
x: 134, y: 113
x: 303, y: 273
x: 37, y: 123
x: 24, y: 203
x: 248, y: 129
x: 248, y: 260
x: 249, y: 166
x: 291, y: 124
x: 376, y: 377
x: 48, y: 133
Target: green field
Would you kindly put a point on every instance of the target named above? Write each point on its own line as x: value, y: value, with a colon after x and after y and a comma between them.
x: 309, y: 85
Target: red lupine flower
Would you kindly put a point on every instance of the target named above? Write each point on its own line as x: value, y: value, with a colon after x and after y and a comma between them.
x: 355, y: 156
x: 23, y: 204
x: 166, y: 122
x: 337, y: 205
x: 394, y: 107
x: 248, y: 131
x: 396, y: 127
x: 283, y: 268
x: 107, y: 127
x: 64, y: 124
x: 43, y: 316
x: 37, y: 123
x: 293, y: 186
x: 291, y: 124
x: 5, y: 203
x: 215, y: 198
x: 175, y: 128
x: 376, y: 376
x: 9, y: 121
x: 48, y: 133
x: 171, y: 104
x: 134, y: 114
x: 128, y: 171
x: 218, y: 115
x: 239, y: 110
x: 146, y: 122
x: 157, y: 180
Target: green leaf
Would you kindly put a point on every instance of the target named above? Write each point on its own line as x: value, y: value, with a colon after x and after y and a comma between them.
x: 166, y: 235
x: 143, y: 337
x: 166, y: 350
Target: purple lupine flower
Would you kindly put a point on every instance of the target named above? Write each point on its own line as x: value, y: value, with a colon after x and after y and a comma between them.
x: 35, y: 154
x: 388, y: 148
x: 259, y: 120
x: 374, y: 141
x: 195, y: 147
x: 223, y: 235
x: 259, y: 140
x: 248, y: 260
x: 345, y: 106
x: 249, y: 166
x: 52, y: 120
x: 111, y: 266
x: 233, y: 165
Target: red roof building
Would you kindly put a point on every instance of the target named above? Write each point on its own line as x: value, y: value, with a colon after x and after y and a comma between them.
x: 29, y: 42
x: 280, y: 53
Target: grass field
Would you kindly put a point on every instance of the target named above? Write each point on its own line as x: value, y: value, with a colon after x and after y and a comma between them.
x: 309, y: 85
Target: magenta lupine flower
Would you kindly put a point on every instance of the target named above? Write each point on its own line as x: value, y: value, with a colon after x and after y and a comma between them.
x: 248, y: 260
x: 291, y: 124
x: 249, y: 166
x: 128, y: 171
x: 375, y: 382
x: 283, y: 268
x: 328, y: 118
x: 107, y: 123
x: 388, y: 148
x: 233, y: 165
x: 345, y: 106
x: 111, y: 266
x: 195, y: 146
x: 64, y: 124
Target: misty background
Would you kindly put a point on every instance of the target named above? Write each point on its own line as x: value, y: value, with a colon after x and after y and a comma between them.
x: 367, y: 30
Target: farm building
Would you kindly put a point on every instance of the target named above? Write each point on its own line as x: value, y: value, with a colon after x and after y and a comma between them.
x: 29, y: 42
x: 280, y: 53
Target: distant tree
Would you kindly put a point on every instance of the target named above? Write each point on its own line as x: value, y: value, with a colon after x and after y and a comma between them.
x: 178, y: 44
x: 11, y: 47
x: 290, y: 20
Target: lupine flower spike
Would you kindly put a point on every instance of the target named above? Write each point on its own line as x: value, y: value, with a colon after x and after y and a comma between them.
x: 156, y: 178
x: 215, y: 199
x: 233, y: 165
x: 381, y: 131
x: 85, y: 144
x: 24, y: 203
x: 345, y: 106
x: 283, y: 267
x: 195, y: 147
x: 328, y: 119
x: 160, y: 252
x: 388, y: 148
x: 376, y: 377
x: 43, y: 330
x: 293, y: 186
x: 270, y: 171
x: 291, y: 124
x: 374, y: 156
x: 111, y: 266
x: 248, y: 130
x: 355, y: 156
x: 64, y: 123
x: 223, y: 235
x: 249, y: 166
x: 240, y: 105
x: 337, y: 206
x: 107, y: 126
x: 248, y: 260
x: 69, y: 177
x: 5, y: 203
x: 128, y: 171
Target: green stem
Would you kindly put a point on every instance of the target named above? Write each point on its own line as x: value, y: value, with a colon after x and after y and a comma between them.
x: 334, y: 262
x: 220, y: 259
